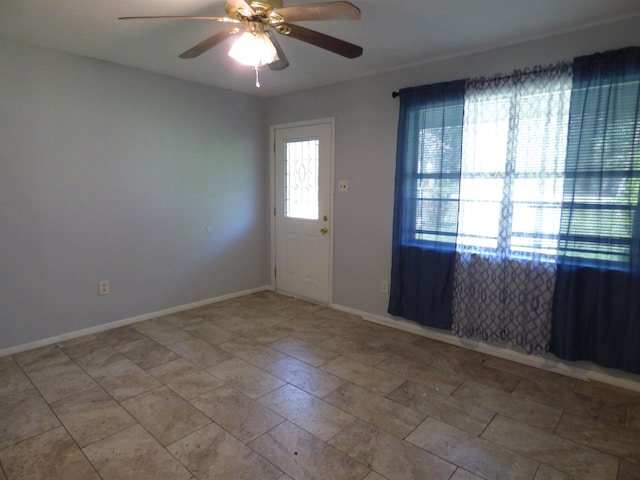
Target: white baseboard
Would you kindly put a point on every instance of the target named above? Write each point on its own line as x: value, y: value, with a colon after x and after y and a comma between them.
x: 126, y: 321
x: 581, y: 370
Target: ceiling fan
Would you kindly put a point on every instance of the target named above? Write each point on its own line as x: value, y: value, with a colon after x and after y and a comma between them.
x: 255, y: 23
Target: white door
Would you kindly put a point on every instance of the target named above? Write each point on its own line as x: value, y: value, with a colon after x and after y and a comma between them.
x: 303, y: 158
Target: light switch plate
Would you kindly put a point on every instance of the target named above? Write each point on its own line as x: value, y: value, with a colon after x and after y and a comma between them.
x: 343, y: 186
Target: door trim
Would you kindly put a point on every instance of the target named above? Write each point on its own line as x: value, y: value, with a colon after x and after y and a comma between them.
x: 272, y: 194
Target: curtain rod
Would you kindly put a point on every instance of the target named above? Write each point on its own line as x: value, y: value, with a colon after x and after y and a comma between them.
x: 516, y: 73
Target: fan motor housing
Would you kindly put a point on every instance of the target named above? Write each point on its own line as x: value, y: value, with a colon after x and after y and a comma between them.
x: 263, y: 7
x: 260, y: 8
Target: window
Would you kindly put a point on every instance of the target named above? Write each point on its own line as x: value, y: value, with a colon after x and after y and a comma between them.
x: 603, y: 175
x: 301, y: 181
x: 500, y: 182
x: 513, y: 154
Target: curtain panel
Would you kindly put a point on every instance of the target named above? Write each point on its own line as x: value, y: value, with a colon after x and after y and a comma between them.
x: 426, y: 203
x: 511, y: 189
x: 596, y: 314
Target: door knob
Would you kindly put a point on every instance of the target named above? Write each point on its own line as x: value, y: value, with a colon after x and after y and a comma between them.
x: 324, y: 230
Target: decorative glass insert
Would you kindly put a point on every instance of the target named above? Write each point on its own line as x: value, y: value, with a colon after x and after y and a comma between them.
x: 301, y: 181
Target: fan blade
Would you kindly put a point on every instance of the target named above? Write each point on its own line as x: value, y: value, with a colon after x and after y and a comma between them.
x: 184, y: 17
x: 240, y: 6
x: 210, y: 42
x: 320, y: 11
x: 321, y: 40
x: 282, y: 61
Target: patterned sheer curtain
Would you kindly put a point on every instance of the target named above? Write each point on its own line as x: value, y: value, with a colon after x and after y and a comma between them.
x: 511, y: 186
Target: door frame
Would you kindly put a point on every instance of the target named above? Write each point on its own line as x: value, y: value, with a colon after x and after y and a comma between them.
x: 272, y: 194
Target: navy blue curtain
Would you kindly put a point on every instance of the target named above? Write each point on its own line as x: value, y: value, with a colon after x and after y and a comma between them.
x: 427, y: 192
x: 596, y: 310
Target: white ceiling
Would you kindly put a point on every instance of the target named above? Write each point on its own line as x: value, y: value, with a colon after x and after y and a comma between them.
x: 393, y: 34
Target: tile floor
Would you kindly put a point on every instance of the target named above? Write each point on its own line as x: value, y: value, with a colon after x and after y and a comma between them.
x: 267, y: 387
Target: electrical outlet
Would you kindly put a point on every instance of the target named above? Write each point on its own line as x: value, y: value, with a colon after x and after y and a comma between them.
x: 103, y: 287
x: 343, y: 186
x: 384, y: 286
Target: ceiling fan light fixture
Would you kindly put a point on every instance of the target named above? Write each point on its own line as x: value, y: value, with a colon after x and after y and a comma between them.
x: 254, y: 48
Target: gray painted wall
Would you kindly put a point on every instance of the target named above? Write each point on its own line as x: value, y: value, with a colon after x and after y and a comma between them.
x: 108, y: 172
x: 366, y: 124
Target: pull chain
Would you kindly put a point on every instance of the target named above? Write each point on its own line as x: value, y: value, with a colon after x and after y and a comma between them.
x: 257, y: 77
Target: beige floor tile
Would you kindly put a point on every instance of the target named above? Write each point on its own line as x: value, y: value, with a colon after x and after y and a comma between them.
x: 264, y: 317
x: 564, y: 455
x: 213, y: 454
x: 358, y: 351
x: 374, y: 476
x: 314, y: 334
x: 423, y: 354
x: 462, y: 414
x: 40, y: 358
x: 441, y: 381
x: 23, y: 415
x: 302, y: 455
x: 245, y: 377
x: 304, y: 351
x: 182, y: 320
x: 265, y: 334
x: 162, y: 332
x: 387, y: 332
x: 461, y: 474
x: 532, y: 373
x: 200, y: 353
x: 210, y: 332
x: 51, y: 455
x: 594, y: 434
x: 472, y: 453
x: 60, y: 380
x: 146, y: 353
x: 165, y: 415
x: 234, y: 323
x: 12, y: 378
x: 253, y: 352
x: 185, y: 379
x: 633, y: 418
x: 302, y: 375
x: 567, y: 400
x: 628, y: 470
x: 238, y: 414
x: 392, y: 457
x: 120, y: 335
x: 387, y: 414
x: 123, y: 379
x: 254, y: 329
x: 134, y: 453
x: 360, y: 331
x: 315, y: 416
x: 606, y: 394
x: 365, y: 376
x: 91, y: 416
x: 476, y: 371
x: 379, y: 374
x: 92, y: 353
x: 545, y: 472
x: 513, y: 406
